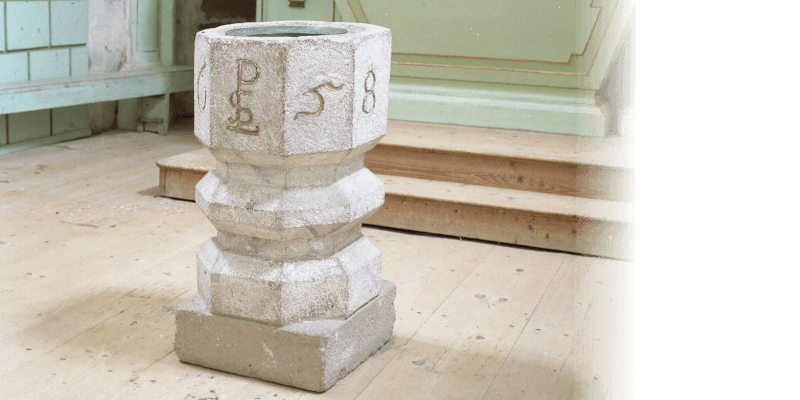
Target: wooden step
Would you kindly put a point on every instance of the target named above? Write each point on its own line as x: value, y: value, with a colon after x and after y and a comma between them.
x: 597, y: 168
x: 180, y: 173
x: 544, y: 220
x: 578, y: 225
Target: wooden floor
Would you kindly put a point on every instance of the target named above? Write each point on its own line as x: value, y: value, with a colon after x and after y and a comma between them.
x: 93, y: 263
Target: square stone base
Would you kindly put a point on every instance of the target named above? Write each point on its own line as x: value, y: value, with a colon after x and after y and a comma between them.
x: 311, y: 355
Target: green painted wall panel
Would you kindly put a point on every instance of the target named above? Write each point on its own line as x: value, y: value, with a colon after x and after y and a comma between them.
x: 555, y: 43
x: 2, y: 27
x: 508, y: 29
x: 3, y: 133
x: 28, y: 126
x: 70, y: 22
x: 166, y: 32
x: 147, y: 25
x: 49, y: 64
x: 14, y: 67
x: 79, y: 60
x: 68, y: 119
x: 27, y: 24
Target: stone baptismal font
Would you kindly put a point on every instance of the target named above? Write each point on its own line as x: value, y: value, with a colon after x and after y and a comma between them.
x: 289, y: 290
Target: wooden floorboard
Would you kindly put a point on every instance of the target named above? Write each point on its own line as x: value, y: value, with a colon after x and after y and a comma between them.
x: 91, y: 276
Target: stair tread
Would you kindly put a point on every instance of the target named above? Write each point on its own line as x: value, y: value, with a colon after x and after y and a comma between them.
x: 197, y: 160
x: 507, y: 199
x: 512, y: 144
x: 201, y: 161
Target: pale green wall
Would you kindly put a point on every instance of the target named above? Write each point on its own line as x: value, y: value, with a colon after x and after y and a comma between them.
x: 192, y: 16
x: 518, y: 64
x: 41, y: 40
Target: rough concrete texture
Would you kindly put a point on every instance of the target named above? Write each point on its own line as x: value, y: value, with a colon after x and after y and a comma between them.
x: 310, y: 355
x: 292, y: 95
x: 281, y: 293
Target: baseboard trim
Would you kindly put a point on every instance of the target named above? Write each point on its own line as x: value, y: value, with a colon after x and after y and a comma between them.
x: 29, y: 144
x: 564, y: 111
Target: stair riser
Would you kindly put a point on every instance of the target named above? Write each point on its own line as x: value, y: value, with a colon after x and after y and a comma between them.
x: 577, y: 235
x: 179, y: 184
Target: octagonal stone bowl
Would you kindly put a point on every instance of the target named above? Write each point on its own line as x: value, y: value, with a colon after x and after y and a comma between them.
x: 268, y: 91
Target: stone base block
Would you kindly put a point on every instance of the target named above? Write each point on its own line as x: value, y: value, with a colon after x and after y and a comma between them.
x: 311, y: 355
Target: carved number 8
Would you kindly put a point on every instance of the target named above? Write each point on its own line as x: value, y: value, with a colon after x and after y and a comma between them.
x: 369, y: 91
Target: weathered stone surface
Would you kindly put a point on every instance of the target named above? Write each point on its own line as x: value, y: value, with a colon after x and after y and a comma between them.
x: 277, y: 213
x: 311, y: 355
x: 289, y: 290
x: 280, y: 96
x: 279, y: 292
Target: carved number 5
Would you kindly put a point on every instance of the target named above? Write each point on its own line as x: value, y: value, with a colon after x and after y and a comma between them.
x: 368, y: 91
x: 315, y: 90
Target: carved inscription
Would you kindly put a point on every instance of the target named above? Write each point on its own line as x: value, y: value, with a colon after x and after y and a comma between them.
x: 246, y: 75
x: 315, y: 90
x: 368, y: 91
x: 205, y: 97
